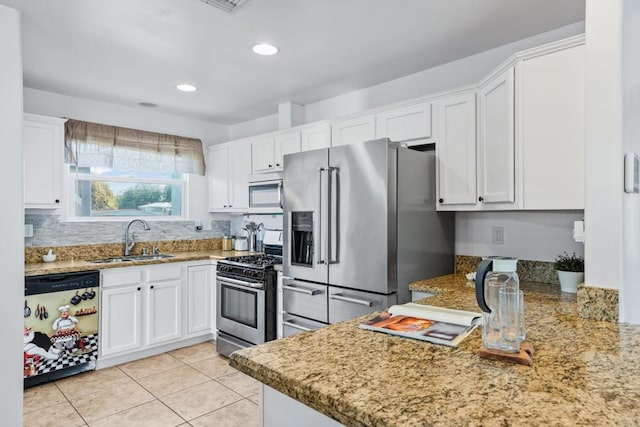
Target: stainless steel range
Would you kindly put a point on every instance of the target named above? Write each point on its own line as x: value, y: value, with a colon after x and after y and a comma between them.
x: 246, y: 297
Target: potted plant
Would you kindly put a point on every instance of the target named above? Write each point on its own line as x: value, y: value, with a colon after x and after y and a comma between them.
x: 570, y: 270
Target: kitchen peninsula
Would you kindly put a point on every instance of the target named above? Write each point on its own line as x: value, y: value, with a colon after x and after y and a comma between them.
x: 584, y: 371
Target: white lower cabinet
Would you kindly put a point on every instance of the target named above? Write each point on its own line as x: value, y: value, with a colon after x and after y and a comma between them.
x: 164, y: 309
x: 200, y: 297
x: 151, y: 309
x: 120, y: 320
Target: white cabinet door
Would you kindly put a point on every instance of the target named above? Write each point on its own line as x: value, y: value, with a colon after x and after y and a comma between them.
x: 286, y: 143
x: 199, y: 289
x: 240, y: 168
x: 218, y: 170
x: 163, y: 319
x: 120, y: 319
x: 456, y: 151
x: 316, y: 138
x: 43, y: 154
x: 262, y: 154
x: 496, y: 142
x: 354, y: 130
x: 551, y: 99
x: 405, y: 124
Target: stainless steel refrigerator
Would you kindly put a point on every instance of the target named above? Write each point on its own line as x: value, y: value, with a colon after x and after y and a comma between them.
x: 360, y: 224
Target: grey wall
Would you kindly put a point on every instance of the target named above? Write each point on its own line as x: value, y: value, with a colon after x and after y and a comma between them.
x: 530, y: 235
x: 48, y: 230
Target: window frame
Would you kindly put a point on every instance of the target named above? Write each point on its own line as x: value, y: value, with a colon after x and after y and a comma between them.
x: 70, y: 189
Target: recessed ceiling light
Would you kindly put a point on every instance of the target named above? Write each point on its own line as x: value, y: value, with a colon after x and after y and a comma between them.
x: 265, y: 49
x: 184, y: 87
x: 147, y: 104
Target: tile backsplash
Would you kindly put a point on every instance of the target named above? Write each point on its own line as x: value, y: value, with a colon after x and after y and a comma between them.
x: 48, y: 230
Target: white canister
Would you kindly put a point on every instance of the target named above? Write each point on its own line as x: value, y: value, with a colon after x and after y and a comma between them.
x: 241, y: 244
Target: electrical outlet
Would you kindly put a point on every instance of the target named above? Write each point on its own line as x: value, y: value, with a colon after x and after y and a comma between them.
x: 497, y: 235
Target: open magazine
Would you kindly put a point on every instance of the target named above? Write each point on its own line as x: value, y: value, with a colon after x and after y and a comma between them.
x: 424, y: 322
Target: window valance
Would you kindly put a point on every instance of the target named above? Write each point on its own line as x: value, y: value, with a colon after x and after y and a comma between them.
x: 92, y: 144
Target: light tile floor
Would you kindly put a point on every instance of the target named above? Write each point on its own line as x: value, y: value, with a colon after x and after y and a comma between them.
x: 192, y: 386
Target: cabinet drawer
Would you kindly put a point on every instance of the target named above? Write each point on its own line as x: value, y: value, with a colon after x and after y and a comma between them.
x: 292, y: 325
x: 305, y: 299
x: 125, y: 276
x: 345, y: 304
x: 165, y: 273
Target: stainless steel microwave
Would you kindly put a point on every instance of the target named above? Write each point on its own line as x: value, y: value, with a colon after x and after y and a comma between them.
x: 265, y: 193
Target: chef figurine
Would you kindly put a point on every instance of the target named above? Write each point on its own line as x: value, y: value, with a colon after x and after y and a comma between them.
x: 64, y: 322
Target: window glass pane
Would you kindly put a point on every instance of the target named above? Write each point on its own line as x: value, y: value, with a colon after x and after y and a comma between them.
x: 105, y: 199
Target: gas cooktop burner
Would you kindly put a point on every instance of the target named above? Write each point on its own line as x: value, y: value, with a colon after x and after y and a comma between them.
x: 255, y: 260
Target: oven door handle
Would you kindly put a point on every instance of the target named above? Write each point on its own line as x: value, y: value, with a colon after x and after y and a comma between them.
x: 240, y: 282
x: 293, y: 325
x: 340, y: 297
x: 303, y: 291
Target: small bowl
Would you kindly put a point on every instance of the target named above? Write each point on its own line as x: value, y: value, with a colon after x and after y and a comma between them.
x: 471, y: 276
x: 48, y: 258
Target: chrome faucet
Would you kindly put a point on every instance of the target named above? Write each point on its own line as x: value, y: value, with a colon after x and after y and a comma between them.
x: 129, y: 242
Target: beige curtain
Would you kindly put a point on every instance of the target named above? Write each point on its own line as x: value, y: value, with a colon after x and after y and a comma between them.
x: 97, y: 145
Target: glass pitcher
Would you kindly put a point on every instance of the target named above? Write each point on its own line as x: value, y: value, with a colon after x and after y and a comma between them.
x: 497, y: 293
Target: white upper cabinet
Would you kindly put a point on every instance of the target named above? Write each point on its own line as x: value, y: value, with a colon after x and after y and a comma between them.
x: 456, y: 151
x: 285, y: 143
x: 353, y: 130
x: 405, y: 124
x: 550, y: 126
x: 43, y: 153
x: 267, y: 152
x: 262, y: 154
x: 496, y: 140
x: 240, y: 164
x: 315, y: 138
x: 218, y: 171
x: 228, y: 168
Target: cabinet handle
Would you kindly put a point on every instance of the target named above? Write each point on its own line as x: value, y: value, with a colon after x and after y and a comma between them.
x: 440, y: 200
x: 270, y: 166
x: 139, y: 288
x: 151, y: 286
x: 224, y: 206
x: 57, y: 200
x: 480, y: 199
x: 278, y: 164
x: 230, y: 206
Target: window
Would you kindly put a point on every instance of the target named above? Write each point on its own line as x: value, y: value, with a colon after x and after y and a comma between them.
x: 100, y: 192
x: 122, y: 173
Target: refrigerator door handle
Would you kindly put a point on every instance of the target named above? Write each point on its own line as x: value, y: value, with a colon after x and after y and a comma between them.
x: 319, y: 240
x: 334, y: 217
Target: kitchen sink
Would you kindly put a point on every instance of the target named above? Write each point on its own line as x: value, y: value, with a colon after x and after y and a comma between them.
x: 131, y: 258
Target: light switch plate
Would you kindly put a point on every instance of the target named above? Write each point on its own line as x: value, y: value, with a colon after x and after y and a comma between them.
x: 631, y: 173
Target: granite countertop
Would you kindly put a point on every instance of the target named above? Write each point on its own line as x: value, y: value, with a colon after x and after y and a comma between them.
x: 585, y: 372
x: 37, y: 268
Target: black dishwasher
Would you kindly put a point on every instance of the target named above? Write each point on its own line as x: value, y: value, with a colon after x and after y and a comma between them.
x: 60, y: 325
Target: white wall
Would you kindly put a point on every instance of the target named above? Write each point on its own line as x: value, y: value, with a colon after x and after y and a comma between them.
x: 448, y: 76
x: 53, y: 104
x: 630, y: 289
x: 11, y: 218
x: 603, y: 144
x: 254, y: 127
x: 530, y: 235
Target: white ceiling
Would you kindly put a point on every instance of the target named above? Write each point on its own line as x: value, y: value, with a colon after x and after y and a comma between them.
x: 131, y: 51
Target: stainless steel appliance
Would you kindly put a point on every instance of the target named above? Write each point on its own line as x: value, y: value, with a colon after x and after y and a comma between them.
x: 360, y: 224
x: 265, y: 193
x: 246, y: 297
x: 60, y: 325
